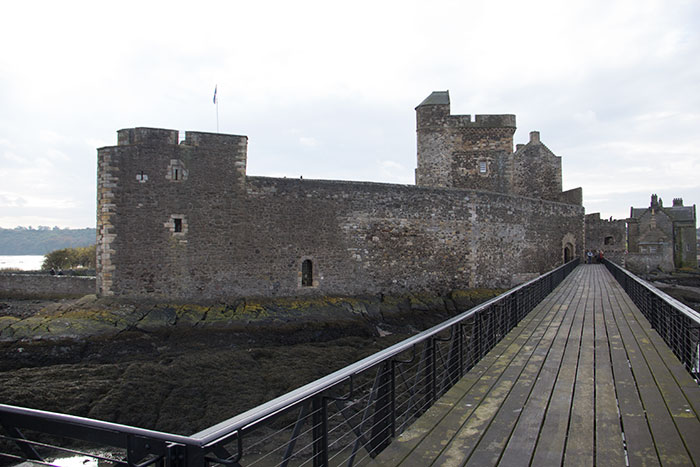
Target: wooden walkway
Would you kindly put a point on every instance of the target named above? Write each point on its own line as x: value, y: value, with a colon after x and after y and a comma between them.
x: 583, y: 380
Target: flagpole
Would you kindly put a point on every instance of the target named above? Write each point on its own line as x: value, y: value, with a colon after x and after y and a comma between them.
x: 216, y: 102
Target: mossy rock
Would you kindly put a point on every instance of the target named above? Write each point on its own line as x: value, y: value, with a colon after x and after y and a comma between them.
x: 6, y: 321
x: 34, y: 327
x: 157, y: 317
x: 78, y: 328
x: 191, y: 315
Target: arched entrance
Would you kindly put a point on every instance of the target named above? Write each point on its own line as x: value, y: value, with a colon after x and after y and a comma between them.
x: 568, y: 247
x: 568, y: 252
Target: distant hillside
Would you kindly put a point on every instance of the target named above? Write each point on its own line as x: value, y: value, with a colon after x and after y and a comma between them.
x: 29, y: 241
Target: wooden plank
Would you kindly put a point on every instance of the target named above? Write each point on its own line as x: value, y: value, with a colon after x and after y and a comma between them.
x: 668, y: 442
x: 483, y: 376
x: 609, y: 439
x: 588, y: 371
x: 472, y: 425
x: 685, y: 382
x: 580, y: 443
x: 490, y: 446
x: 638, y: 439
x: 485, y: 396
x: 552, y: 437
x: 519, y: 446
x: 683, y: 416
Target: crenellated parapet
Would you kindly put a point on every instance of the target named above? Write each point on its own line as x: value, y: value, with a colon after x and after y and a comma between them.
x: 141, y: 135
x: 434, y: 112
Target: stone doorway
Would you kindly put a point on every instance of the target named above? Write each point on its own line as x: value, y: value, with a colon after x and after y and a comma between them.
x: 568, y: 252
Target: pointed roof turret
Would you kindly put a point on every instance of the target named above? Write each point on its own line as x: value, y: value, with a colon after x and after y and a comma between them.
x: 437, y: 98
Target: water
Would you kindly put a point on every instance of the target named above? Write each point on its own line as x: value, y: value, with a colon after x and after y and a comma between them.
x: 23, y: 262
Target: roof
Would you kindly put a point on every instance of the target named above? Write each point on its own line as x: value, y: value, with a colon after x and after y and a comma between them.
x: 677, y: 213
x: 437, y: 98
x: 637, y: 212
x: 681, y: 213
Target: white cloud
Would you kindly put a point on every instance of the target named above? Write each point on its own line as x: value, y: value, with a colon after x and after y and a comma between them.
x: 10, y: 200
x: 612, y: 86
x: 9, y: 156
x: 308, y: 141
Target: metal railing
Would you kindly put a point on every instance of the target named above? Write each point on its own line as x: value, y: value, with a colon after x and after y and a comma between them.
x: 345, y: 418
x: 677, y: 324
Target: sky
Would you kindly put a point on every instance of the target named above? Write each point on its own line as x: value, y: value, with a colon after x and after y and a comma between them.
x: 325, y: 89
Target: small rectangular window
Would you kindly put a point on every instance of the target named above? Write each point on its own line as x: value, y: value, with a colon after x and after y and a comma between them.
x: 482, y: 167
x: 175, y: 174
x: 177, y: 224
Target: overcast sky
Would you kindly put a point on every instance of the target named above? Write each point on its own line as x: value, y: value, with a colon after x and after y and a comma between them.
x: 326, y: 89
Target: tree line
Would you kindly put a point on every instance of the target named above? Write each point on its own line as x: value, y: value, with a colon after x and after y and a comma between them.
x: 42, y: 240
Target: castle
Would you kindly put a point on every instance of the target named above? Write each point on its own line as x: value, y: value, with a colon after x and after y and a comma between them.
x: 183, y: 221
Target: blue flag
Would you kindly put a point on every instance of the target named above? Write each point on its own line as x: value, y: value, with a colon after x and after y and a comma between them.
x: 215, y: 93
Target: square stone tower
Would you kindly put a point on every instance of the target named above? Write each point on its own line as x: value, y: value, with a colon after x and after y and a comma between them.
x: 456, y: 152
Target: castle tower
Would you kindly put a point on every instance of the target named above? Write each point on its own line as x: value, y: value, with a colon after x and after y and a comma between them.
x: 454, y: 151
x: 159, y: 195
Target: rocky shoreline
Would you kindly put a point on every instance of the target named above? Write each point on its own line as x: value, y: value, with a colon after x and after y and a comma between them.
x: 181, y: 367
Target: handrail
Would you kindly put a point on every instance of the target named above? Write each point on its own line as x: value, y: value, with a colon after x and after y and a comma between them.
x: 490, y: 321
x: 95, y: 424
x: 677, y: 324
x: 272, y: 407
x: 682, y: 307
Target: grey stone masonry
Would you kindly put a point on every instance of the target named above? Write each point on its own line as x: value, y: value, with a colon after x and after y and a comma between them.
x: 456, y: 151
x: 184, y: 222
x: 44, y: 286
x: 662, y: 237
x: 608, y: 236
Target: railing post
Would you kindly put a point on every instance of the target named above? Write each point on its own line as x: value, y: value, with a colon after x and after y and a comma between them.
x: 432, y: 359
x: 319, y: 419
x: 393, y: 398
x: 460, y: 350
x: 176, y: 455
x: 382, y: 426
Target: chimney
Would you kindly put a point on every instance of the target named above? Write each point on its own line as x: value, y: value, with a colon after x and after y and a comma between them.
x: 677, y: 202
x: 535, y: 137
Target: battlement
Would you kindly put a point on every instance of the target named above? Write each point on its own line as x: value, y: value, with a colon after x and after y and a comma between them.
x: 198, y: 138
x: 143, y: 135
x: 483, y: 121
x: 157, y: 136
x: 435, y: 111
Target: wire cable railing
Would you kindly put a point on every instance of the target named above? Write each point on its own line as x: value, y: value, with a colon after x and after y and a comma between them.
x: 677, y: 324
x: 345, y: 418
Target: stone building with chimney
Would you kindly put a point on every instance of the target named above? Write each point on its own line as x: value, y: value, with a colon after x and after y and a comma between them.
x: 661, y: 238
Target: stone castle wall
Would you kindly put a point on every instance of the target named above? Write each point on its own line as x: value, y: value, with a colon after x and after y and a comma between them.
x: 386, y: 238
x: 607, y: 235
x: 45, y: 286
x: 183, y: 221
